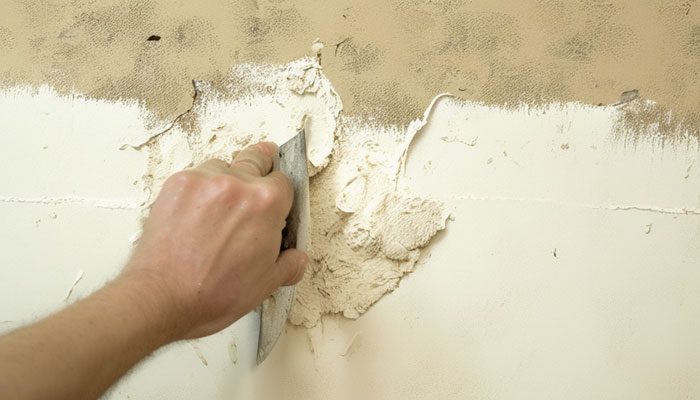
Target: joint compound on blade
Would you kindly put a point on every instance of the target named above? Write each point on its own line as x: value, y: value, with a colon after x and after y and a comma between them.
x: 367, y: 228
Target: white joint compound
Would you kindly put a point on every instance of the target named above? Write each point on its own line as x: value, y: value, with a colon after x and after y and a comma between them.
x: 367, y: 227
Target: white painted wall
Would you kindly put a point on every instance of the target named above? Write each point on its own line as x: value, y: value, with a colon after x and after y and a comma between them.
x: 491, y: 312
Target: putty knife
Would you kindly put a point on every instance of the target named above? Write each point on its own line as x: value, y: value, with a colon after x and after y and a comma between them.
x: 275, y: 310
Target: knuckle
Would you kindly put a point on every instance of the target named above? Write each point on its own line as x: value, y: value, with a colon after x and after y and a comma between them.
x: 268, y: 196
x: 250, y: 163
x: 225, y: 186
x: 214, y: 166
x: 284, y: 184
x: 182, y: 179
x: 285, y: 181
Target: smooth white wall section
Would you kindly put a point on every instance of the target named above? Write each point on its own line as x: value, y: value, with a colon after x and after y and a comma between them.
x: 70, y: 205
x: 492, y: 312
x: 67, y: 198
x: 561, y: 154
x: 571, y: 270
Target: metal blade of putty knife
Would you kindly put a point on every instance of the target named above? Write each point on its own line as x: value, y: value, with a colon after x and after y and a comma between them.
x: 275, y: 310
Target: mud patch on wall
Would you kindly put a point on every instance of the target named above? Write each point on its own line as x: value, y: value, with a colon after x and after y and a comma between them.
x: 367, y: 228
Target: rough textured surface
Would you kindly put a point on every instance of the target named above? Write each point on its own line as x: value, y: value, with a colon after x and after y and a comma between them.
x: 367, y: 228
x: 387, y: 59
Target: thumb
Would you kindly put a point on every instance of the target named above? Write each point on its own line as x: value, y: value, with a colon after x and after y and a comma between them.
x: 290, y: 266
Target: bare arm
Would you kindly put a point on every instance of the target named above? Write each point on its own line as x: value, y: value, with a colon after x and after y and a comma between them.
x: 208, y: 255
x: 78, y: 352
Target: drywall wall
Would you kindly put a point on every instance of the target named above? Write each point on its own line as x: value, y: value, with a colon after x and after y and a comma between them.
x: 567, y: 268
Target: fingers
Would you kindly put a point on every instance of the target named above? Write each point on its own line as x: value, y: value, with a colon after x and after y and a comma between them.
x: 255, y: 160
x: 213, y: 167
x: 281, y: 183
x: 290, y: 266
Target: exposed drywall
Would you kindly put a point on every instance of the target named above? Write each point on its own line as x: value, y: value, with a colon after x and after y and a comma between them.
x: 386, y: 58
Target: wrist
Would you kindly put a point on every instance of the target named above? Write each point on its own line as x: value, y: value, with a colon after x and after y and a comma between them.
x: 152, y: 303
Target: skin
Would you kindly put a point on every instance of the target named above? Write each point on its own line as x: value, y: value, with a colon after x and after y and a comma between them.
x: 208, y: 255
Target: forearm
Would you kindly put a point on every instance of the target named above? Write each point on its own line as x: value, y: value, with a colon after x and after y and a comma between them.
x: 209, y: 253
x: 79, y: 352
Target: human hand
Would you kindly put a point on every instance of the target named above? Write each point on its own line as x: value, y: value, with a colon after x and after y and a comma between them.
x: 211, y: 244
